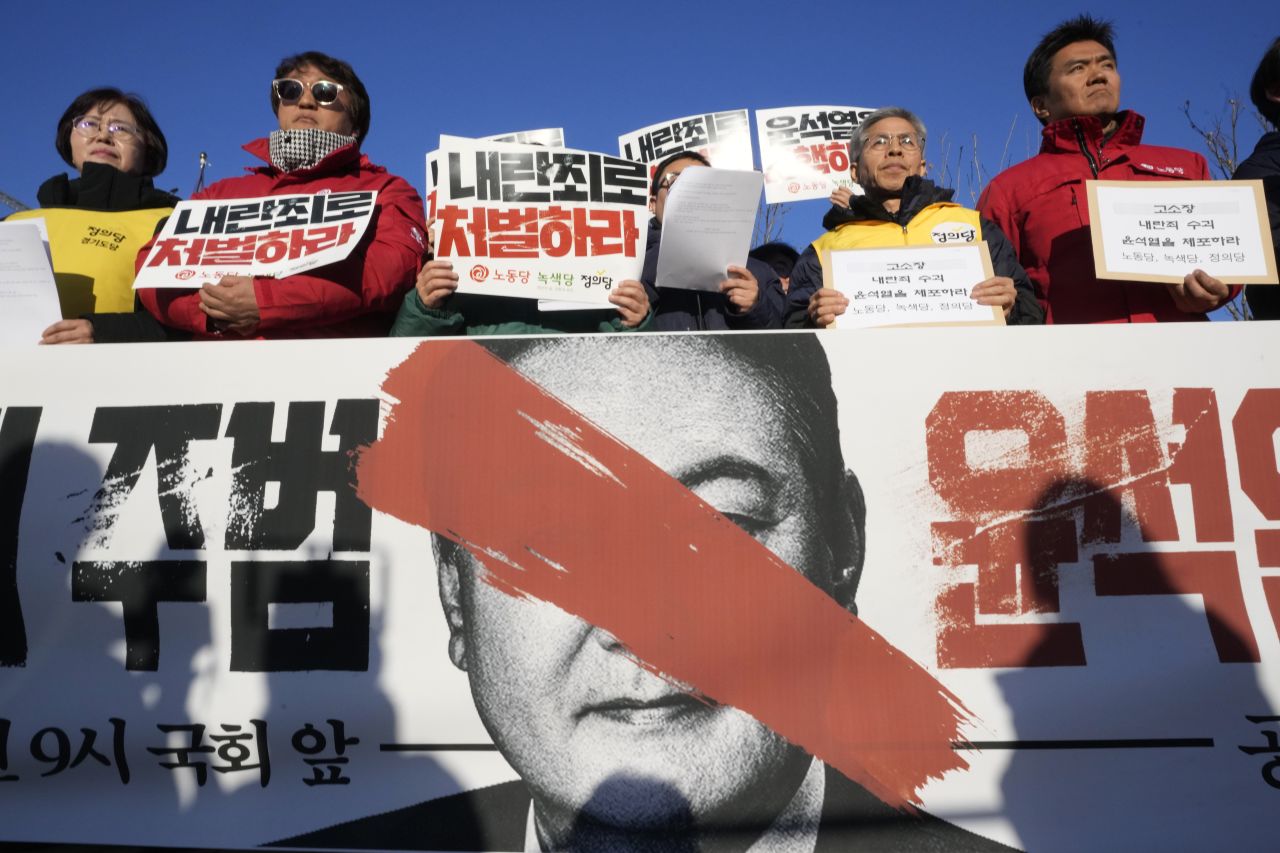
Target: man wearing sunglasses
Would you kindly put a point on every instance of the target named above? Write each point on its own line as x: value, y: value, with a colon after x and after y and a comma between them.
x: 899, y: 207
x: 323, y: 112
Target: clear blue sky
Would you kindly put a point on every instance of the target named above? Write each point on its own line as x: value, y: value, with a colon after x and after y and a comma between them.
x: 600, y: 69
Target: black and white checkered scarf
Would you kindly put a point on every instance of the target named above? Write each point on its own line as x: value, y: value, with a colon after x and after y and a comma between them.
x: 297, y: 149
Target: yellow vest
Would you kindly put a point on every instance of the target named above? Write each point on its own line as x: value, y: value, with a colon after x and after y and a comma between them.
x: 941, y: 223
x: 93, y: 254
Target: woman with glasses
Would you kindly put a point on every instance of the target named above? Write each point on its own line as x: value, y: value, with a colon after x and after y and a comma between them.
x: 99, y: 219
x: 322, y: 110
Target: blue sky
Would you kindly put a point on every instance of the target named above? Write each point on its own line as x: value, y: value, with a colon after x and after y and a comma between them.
x: 601, y: 69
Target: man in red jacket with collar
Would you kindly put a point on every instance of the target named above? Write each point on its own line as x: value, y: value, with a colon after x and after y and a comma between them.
x: 1073, y: 85
x: 323, y: 111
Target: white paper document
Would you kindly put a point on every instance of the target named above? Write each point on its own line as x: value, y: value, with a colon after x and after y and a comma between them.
x: 706, y: 226
x: 28, y: 293
x: 911, y: 286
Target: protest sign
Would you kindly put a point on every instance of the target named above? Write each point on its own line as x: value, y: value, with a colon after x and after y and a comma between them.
x: 909, y: 285
x: 533, y: 222
x: 1160, y: 231
x: 804, y: 151
x: 28, y: 293
x: 273, y: 236
x: 414, y: 594
x: 706, y: 226
x: 549, y: 137
x: 724, y: 138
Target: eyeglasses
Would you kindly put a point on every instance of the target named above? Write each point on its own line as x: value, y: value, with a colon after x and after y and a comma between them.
x: 906, y: 141
x: 667, y: 180
x: 90, y: 126
x: 325, y: 92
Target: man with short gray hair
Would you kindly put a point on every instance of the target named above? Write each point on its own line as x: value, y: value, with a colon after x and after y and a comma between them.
x: 900, y: 207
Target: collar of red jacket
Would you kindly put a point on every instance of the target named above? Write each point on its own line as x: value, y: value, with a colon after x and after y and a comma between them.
x: 1060, y: 136
x: 346, y: 157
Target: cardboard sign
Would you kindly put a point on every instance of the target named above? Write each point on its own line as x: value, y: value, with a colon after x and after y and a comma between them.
x: 911, y: 285
x: 1159, y: 231
x: 724, y: 138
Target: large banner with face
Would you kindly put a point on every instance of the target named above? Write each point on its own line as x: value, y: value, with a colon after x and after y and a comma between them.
x: 804, y: 151
x: 601, y: 591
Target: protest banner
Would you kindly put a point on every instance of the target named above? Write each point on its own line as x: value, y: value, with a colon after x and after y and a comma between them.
x: 532, y: 222
x: 908, y: 285
x: 274, y: 236
x: 458, y: 594
x: 1160, y: 231
x: 724, y: 138
x: 549, y: 137
x: 804, y: 151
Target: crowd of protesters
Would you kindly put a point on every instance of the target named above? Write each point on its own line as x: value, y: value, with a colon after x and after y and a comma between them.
x: 1032, y: 216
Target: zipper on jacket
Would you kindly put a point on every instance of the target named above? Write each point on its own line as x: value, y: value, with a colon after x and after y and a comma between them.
x: 1084, y: 148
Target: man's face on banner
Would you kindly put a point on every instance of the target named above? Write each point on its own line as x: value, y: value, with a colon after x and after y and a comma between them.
x: 564, y: 703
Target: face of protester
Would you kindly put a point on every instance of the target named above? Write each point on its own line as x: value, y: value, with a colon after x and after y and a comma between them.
x: 1083, y: 81
x: 566, y: 706
x: 123, y: 149
x: 660, y: 200
x: 881, y: 171
x: 307, y: 113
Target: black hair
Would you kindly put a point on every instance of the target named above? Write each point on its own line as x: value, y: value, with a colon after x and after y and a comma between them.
x: 781, y: 257
x: 666, y: 163
x: 154, y: 147
x: 339, y: 72
x: 1035, y: 74
x: 794, y: 369
x: 1267, y: 77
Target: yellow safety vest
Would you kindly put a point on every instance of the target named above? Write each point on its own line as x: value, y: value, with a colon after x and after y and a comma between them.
x: 93, y: 254
x: 940, y: 223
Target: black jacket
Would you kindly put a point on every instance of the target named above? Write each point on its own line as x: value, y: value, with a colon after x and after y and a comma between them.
x: 1264, y: 164
x: 696, y: 310
x: 917, y: 194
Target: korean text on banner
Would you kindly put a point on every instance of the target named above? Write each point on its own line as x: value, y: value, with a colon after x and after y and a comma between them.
x: 275, y: 236
x: 724, y: 138
x: 804, y: 151
x: 533, y: 222
x: 909, y: 286
x: 706, y: 226
x: 1160, y: 231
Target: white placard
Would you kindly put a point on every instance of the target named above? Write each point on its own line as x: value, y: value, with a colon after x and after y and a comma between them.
x: 1160, y: 231
x: 549, y: 137
x: 706, y: 226
x: 273, y: 236
x: 538, y: 223
x: 804, y: 151
x: 28, y: 292
x: 907, y: 286
x: 724, y: 138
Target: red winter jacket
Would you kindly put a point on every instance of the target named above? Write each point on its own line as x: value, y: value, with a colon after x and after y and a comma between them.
x: 1042, y: 206
x: 357, y: 297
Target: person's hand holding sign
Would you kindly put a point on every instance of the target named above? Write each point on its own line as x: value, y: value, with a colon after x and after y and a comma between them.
x: 231, y: 304
x: 632, y: 302
x: 825, y: 306
x: 741, y: 289
x: 998, y: 290
x: 1199, y: 292
x: 436, y: 282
